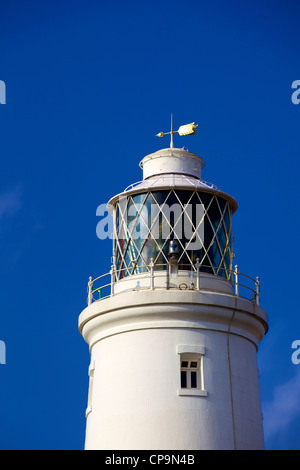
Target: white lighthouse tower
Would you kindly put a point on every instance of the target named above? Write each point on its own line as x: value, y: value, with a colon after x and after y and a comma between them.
x: 173, y: 329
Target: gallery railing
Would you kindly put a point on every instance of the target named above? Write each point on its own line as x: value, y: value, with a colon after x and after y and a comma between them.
x: 239, y: 281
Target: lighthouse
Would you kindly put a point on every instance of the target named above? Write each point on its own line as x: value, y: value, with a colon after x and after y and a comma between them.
x: 173, y: 327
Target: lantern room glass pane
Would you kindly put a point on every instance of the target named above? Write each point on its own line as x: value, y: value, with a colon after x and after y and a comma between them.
x: 146, y: 223
x: 193, y: 379
x: 183, y: 379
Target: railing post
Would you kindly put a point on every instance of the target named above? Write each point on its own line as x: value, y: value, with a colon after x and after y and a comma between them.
x: 168, y: 276
x: 151, y: 266
x: 236, y: 280
x: 257, y: 284
x: 198, y: 274
x: 112, y: 280
x: 90, y: 290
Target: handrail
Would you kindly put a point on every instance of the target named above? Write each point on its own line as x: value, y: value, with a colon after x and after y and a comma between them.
x: 254, y: 293
x: 132, y: 186
x: 211, y: 185
x: 206, y: 183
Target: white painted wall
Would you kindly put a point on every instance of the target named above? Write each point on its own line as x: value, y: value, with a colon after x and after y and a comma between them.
x: 134, y: 338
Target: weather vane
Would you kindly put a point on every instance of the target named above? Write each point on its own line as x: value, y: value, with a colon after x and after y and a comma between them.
x: 187, y: 129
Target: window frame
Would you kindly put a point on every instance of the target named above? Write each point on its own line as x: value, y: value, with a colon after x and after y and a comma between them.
x: 191, y: 353
x: 191, y: 372
x: 91, y: 386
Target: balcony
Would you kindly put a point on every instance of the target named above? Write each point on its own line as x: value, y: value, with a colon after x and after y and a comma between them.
x: 168, y: 277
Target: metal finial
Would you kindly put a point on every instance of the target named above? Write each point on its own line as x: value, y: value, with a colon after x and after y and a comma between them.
x: 171, y: 144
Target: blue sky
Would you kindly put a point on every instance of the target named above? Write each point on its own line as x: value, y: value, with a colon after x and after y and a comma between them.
x: 88, y: 85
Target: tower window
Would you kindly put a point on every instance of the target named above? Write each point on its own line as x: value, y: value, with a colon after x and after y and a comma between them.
x: 91, y: 383
x: 191, y: 370
x: 189, y: 374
